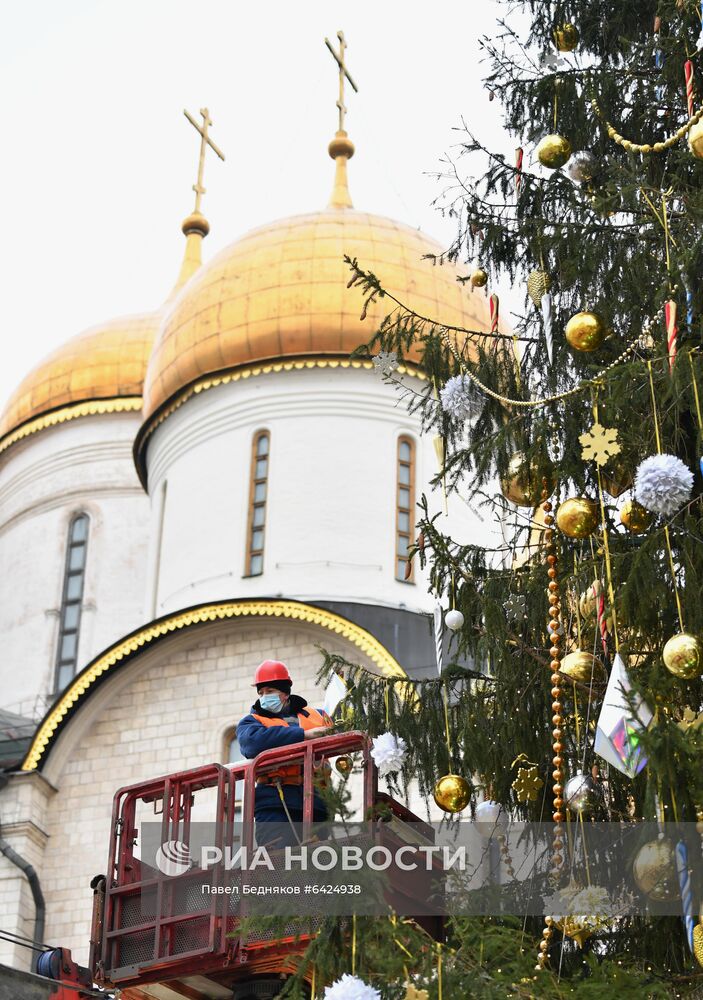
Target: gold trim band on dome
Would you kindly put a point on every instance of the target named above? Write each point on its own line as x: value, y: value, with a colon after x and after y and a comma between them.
x: 242, y: 372
x: 124, y: 649
x: 89, y: 408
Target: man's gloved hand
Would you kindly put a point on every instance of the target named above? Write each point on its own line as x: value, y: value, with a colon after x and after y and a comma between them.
x: 312, y: 734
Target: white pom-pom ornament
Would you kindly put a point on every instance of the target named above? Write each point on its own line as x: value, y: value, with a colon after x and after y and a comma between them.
x: 663, y: 484
x: 351, y: 988
x: 388, y: 752
x: 490, y: 818
x: 460, y: 398
x: 454, y: 620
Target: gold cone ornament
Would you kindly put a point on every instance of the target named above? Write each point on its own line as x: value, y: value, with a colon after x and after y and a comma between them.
x: 654, y: 870
x: 585, y: 331
x: 695, y: 140
x: 566, y: 37
x: 582, y: 667
x: 538, y: 284
x: 553, y: 151
x: 578, y: 517
x: 452, y: 793
x: 698, y: 942
x: 344, y: 764
x: 522, y: 483
x: 635, y: 517
x: 682, y: 656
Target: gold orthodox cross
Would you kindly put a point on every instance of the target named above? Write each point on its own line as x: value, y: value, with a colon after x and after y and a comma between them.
x: 343, y: 71
x: 205, y: 140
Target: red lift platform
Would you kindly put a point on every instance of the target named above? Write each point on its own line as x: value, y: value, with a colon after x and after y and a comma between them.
x: 187, y: 943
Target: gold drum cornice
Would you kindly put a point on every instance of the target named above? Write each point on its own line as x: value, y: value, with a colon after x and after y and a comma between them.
x: 237, y: 374
x: 281, y: 292
x: 126, y: 648
x: 128, y: 404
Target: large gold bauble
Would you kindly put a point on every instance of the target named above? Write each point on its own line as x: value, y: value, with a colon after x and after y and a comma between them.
x: 479, y: 277
x: 566, y: 37
x: 344, y: 764
x: 682, y: 656
x: 578, y: 517
x: 522, y: 483
x: 581, y: 667
x: 654, y: 870
x: 452, y: 793
x: 616, y: 479
x: 695, y: 140
x: 635, y: 517
x: 585, y: 331
x: 553, y: 151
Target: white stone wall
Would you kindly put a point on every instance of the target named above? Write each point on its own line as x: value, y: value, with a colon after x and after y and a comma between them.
x: 83, y: 465
x: 170, y: 708
x: 331, y: 512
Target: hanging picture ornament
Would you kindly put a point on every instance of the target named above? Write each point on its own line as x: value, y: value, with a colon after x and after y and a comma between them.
x: 454, y: 620
x: 350, y: 988
x: 585, y: 331
x: 663, y: 484
x: 344, y: 764
x: 583, y: 166
x: 538, y: 284
x: 683, y: 657
x: 635, y: 517
x: 452, y: 793
x: 491, y: 818
x: 578, y: 517
x: 479, y: 278
x: 527, y: 784
x: 654, y: 870
x: 553, y: 151
x: 599, y: 444
x: 460, y: 398
x: 581, y: 794
x: 522, y: 482
x: 566, y: 37
x: 582, y: 667
x: 388, y: 752
x: 615, y: 478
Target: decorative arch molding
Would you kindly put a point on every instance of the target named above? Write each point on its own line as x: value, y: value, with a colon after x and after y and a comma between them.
x: 112, y: 659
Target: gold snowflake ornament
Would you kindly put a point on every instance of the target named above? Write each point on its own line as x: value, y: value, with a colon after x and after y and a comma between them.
x: 527, y: 784
x: 413, y: 994
x: 599, y: 444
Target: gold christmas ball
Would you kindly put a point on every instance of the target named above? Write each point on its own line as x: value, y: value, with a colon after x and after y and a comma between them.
x: 585, y: 331
x: 566, y: 37
x: 654, y: 870
x: 581, y: 667
x: 344, y: 764
x: 522, y: 483
x: 635, y: 517
x: 695, y: 140
x: 553, y: 151
x: 538, y: 284
x: 578, y: 517
x: 682, y: 656
x: 479, y: 278
x: 452, y: 793
x: 616, y: 479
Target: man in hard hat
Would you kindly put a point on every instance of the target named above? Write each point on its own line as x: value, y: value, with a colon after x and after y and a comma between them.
x: 278, y: 719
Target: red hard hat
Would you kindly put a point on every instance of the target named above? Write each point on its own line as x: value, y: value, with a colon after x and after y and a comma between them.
x: 271, y: 670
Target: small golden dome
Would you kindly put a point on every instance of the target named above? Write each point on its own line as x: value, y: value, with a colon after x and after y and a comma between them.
x: 281, y: 291
x: 104, y: 362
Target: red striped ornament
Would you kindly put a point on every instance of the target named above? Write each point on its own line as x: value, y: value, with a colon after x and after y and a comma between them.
x: 688, y: 73
x: 672, y: 331
x: 519, y: 154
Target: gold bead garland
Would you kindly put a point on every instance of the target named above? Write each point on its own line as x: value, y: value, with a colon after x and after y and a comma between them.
x: 647, y: 147
x: 557, y: 707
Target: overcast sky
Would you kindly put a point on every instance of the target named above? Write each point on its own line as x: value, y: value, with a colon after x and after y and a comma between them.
x: 99, y: 161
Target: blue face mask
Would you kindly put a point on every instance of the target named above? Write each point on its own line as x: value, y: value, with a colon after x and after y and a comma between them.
x: 271, y: 702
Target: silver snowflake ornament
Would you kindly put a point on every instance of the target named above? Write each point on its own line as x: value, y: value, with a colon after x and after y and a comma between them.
x: 385, y: 362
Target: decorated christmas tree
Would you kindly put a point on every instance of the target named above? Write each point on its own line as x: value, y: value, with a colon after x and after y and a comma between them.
x: 575, y: 425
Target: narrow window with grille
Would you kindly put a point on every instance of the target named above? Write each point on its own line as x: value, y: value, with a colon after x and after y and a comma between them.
x: 405, y: 506
x: 256, y: 526
x: 71, y: 601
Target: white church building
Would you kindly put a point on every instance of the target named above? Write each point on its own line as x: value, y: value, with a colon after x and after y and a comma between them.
x: 187, y: 492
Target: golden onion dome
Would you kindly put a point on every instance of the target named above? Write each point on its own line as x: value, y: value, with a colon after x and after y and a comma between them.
x: 280, y: 292
x: 106, y: 362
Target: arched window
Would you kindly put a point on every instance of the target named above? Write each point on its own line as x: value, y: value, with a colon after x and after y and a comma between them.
x: 257, y: 504
x: 72, y: 598
x: 405, y: 506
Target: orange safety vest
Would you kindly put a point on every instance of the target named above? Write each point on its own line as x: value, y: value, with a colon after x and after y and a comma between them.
x: 292, y: 774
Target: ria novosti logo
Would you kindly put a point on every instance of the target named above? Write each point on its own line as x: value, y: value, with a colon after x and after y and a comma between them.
x: 173, y: 858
